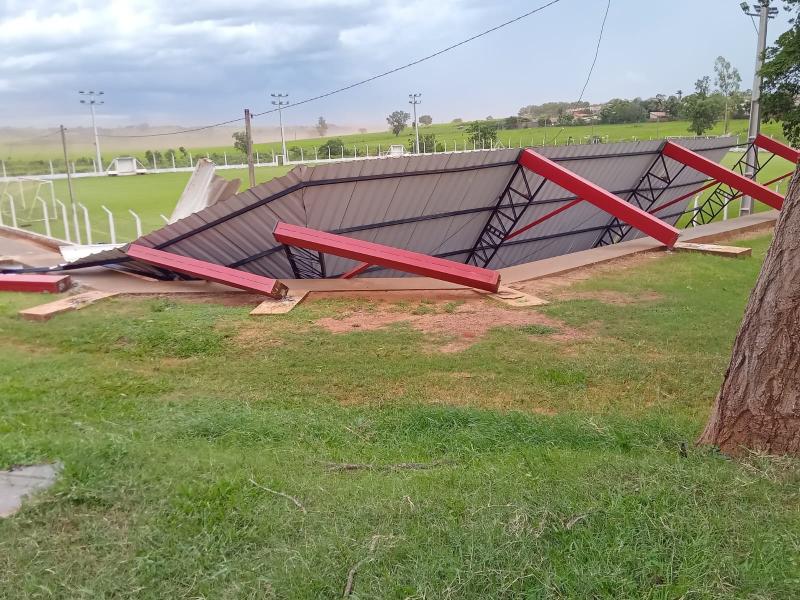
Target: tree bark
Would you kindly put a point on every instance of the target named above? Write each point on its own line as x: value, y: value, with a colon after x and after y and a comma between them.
x: 758, y: 407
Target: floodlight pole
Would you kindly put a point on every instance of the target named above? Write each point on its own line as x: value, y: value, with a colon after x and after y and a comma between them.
x: 280, y: 104
x: 69, y: 186
x: 91, y: 102
x: 251, y: 170
x: 763, y: 11
x: 414, y: 101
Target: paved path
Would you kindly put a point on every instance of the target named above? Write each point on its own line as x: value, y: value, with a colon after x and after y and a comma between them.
x: 20, y: 482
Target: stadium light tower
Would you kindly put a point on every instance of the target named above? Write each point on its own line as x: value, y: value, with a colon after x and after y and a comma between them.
x: 764, y: 12
x: 279, y: 102
x: 414, y: 100
x: 92, y: 101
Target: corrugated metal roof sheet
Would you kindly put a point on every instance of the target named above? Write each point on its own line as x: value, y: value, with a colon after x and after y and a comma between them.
x: 435, y: 204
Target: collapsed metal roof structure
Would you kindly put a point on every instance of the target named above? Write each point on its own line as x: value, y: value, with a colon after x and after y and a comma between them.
x: 484, y: 209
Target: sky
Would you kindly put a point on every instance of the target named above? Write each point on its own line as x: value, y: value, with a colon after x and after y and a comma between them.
x: 201, y: 61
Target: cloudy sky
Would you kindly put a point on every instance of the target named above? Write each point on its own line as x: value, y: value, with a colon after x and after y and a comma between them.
x: 197, y: 61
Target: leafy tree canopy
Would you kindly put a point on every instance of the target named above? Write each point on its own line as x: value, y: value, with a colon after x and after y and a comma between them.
x: 398, y: 121
x: 781, y: 85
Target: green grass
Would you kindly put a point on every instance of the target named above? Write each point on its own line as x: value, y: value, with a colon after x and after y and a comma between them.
x: 149, y: 196
x: 22, y: 162
x: 172, y: 418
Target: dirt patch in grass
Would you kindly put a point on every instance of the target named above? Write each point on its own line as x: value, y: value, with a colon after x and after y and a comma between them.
x: 458, y: 326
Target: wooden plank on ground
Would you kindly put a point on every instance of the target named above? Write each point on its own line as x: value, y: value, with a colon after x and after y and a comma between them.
x: 43, y: 312
x: 279, y: 307
x: 208, y: 271
x: 728, y: 251
x: 23, y: 282
x: 515, y: 298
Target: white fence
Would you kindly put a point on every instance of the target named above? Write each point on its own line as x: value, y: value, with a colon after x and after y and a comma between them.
x: 31, y: 205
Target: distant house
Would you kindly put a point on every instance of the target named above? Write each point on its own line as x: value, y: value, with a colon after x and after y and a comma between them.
x: 658, y: 116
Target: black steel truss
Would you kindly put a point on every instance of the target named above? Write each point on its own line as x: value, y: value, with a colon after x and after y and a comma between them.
x: 652, y: 185
x: 723, y: 194
x: 306, y: 264
x: 503, y: 220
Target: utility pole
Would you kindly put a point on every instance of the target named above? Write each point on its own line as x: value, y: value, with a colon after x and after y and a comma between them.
x: 414, y: 100
x: 764, y: 12
x: 91, y: 102
x: 69, y: 186
x: 251, y: 169
x: 280, y: 103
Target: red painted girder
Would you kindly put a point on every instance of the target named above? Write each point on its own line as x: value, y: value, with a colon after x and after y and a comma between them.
x: 723, y: 175
x: 355, y: 271
x: 549, y: 215
x: 52, y: 284
x: 208, y: 271
x: 386, y: 256
x: 601, y: 198
x: 778, y: 148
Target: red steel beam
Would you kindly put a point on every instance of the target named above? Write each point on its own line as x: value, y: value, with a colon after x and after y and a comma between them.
x: 602, y: 199
x: 723, y: 175
x: 208, y: 271
x: 23, y: 282
x: 386, y: 256
x: 355, y: 271
x: 778, y: 148
x: 549, y: 215
x: 734, y: 197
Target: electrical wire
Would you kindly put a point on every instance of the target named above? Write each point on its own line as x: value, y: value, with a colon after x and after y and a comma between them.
x: 594, y: 61
x: 358, y: 83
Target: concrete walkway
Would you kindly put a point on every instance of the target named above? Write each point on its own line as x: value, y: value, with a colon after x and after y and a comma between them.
x: 20, y: 482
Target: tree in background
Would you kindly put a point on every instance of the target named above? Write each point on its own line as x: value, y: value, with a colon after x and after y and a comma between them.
x: 728, y: 81
x: 701, y: 109
x: 781, y: 86
x: 457, y: 121
x: 240, y: 141
x: 321, y: 127
x: 427, y: 143
x: 184, y: 152
x: 426, y: 120
x: 672, y: 106
x: 333, y: 148
x: 623, y: 111
x: 758, y: 406
x: 482, y: 133
x: 398, y: 121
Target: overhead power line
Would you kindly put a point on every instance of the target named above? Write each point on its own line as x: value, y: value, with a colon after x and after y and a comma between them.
x: 594, y: 60
x: 358, y: 83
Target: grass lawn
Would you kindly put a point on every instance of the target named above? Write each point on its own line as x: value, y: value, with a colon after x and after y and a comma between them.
x: 555, y: 469
x: 19, y: 162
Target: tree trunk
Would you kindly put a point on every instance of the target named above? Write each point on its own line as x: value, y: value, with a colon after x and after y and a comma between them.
x: 758, y: 407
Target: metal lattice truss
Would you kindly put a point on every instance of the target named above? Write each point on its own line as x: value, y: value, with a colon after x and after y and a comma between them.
x: 306, y: 264
x: 722, y: 194
x: 657, y: 180
x: 503, y: 219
